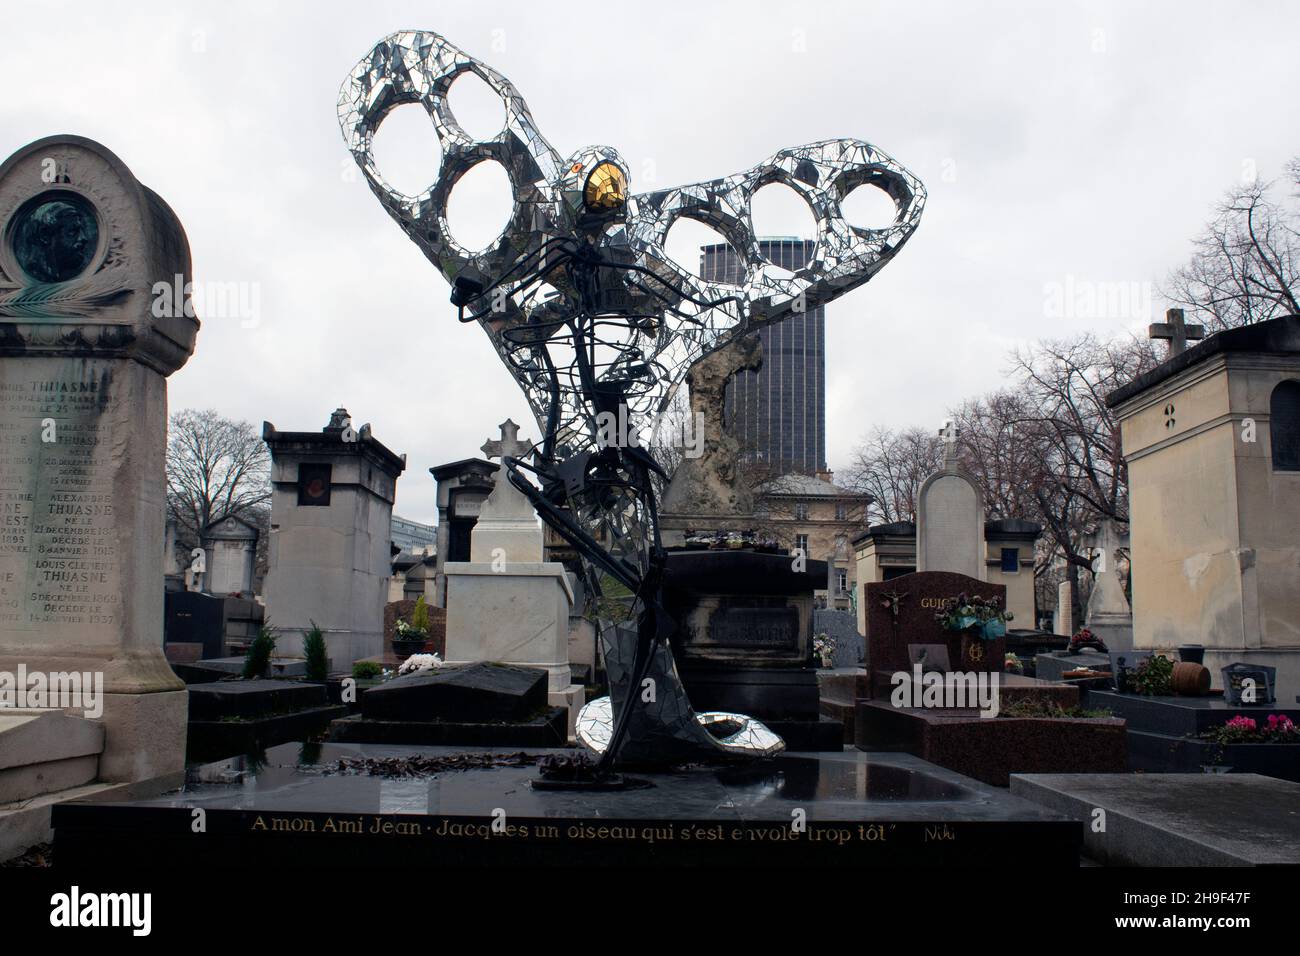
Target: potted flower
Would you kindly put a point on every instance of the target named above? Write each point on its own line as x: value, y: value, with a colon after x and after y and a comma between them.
x: 978, y: 620
x: 412, y: 634
x: 824, y: 648
x: 1153, y: 677
x: 1275, y: 729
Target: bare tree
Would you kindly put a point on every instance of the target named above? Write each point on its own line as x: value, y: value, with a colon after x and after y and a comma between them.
x: 1077, y: 469
x: 1246, y: 264
x: 216, y: 468
x: 890, y: 466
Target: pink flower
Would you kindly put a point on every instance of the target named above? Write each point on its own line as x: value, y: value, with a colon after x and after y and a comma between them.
x: 1241, y: 723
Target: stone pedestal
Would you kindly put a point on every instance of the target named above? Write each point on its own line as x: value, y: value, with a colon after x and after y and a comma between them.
x: 86, y: 344
x: 329, y: 560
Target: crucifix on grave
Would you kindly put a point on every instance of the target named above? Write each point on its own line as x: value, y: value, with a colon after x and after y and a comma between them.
x: 1176, y: 331
x: 949, y: 434
x: 507, y: 528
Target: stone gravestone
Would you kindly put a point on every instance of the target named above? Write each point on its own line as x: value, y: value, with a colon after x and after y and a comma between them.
x: 231, y: 549
x: 1109, y: 616
x: 1062, y: 619
x: 841, y: 627
x: 506, y: 604
x: 329, y: 561
x: 950, y: 518
x: 901, y: 613
x: 86, y: 345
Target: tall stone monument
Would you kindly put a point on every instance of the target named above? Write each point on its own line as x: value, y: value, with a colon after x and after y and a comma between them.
x: 329, y: 559
x: 1063, y: 617
x: 506, y: 604
x: 950, y: 518
x: 85, y: 350
x: 1108, y: 615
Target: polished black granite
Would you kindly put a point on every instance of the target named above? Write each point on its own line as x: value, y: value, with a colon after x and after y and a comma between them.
x: 861, y: 809
x: 1179, y: 716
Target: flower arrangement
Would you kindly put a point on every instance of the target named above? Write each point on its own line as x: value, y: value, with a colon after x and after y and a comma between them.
x: 1276, y: 729
x: 417, y: 628
x: 985, y: 618
x: 824, y: 648
x: 419, y: 662
x: 1085, y: 638
x: 1011, y: 664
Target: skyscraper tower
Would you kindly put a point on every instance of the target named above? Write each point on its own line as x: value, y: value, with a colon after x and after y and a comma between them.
x: 778, y: 413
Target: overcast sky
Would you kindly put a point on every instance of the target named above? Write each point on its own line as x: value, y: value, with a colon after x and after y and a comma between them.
x: 1064, y: 147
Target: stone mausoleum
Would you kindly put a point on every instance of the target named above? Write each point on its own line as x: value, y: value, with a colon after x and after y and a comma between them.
x: 1212, y: 441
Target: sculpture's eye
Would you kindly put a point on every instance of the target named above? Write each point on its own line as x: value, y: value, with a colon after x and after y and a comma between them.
x: 606, y: 188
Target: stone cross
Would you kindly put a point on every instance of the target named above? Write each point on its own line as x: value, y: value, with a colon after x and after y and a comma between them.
x: 949, y: 434
x: 507, y: 525
x: 508, y: 445
x: 1176, y: 331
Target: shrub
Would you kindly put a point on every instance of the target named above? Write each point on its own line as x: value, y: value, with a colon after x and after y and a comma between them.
x: 313, y: 647
x: 363, y: 670
x: 1154, y: 676
x: 420, y: 615
x: 257, y: 662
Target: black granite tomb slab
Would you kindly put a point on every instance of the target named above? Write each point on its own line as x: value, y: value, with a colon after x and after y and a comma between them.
x: 208, y: 740
x: 1052, y: 666
x: 1161, y: 753
x: 292, y: 809
x: 1177, y: 716
x: 545, y: 728
x: 253, y: 698
x: 767, y: 693
x: 197, y: 672
x: 475, y: 693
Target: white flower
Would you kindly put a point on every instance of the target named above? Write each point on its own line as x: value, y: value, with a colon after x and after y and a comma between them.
x: 419, y: 662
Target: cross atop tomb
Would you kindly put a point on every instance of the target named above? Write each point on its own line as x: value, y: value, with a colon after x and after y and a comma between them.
x: 508, y: 445
x: 1176, y: 331
x: 949, y: 434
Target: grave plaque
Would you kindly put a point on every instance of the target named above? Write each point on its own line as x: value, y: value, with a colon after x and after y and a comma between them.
x: 744, y: 628
x: 86, y: 342
x: 901, y: 613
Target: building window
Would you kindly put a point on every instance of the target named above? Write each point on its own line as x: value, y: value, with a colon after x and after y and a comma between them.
x: 801, y: 543
x: 842, y: 580
x: 1011, y: 560
x: 801, y: 511
x: 841, y: 511
x: 1284, y: 426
